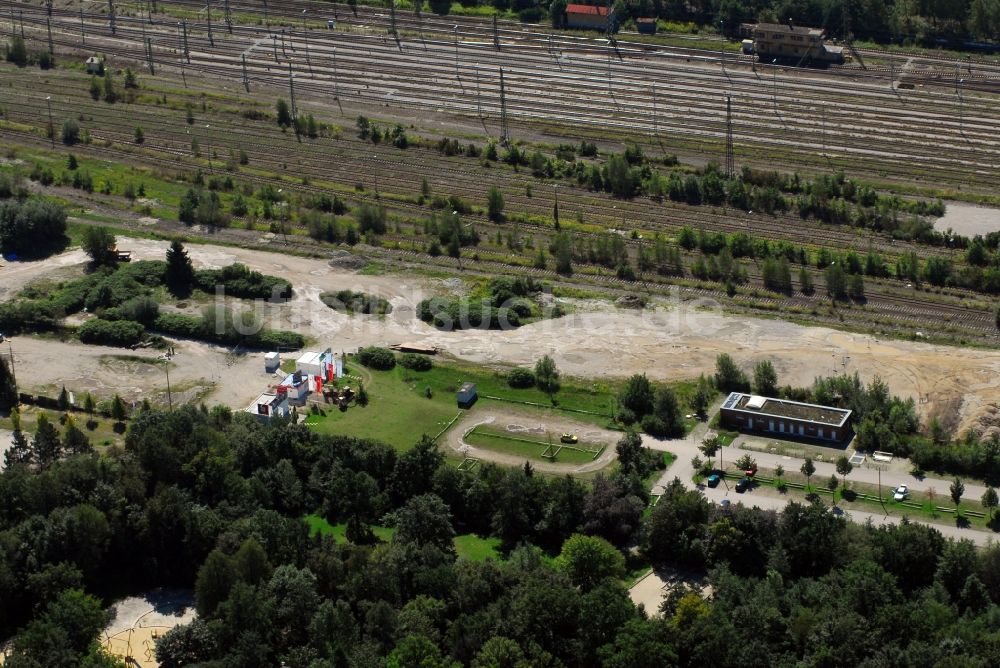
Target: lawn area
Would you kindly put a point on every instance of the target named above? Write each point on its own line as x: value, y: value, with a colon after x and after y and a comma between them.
x: 474, y: 548
x: 398, y: 411
x: 493, y: 439
x: 467, y: 546
x: 319, y: 526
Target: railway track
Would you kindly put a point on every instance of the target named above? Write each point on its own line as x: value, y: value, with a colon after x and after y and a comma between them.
x: 974, y: 156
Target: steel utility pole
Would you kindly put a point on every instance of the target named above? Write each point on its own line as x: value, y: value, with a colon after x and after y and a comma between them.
x: 83, y: 29
x: 479, y: 104
x: 496, y: 34
x: 291, y: 91
x: 111, y: 15
x: 170, y: 399
x: 229, y: 18
x: 48, y: 24
x: 504, y: 130
x: 774, y: 76
x: 730, y: 157
x: 187, y: 52
x: 52, y: 128
x: 392, y: 17
x: 655, y: 120
x: 208, y: 12
x: 149, y: 55
x: 456, y: 50
x: 336, y: 90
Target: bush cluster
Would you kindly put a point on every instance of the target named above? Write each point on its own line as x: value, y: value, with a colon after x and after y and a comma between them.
x: 415, y: 362
x: 374, y: 357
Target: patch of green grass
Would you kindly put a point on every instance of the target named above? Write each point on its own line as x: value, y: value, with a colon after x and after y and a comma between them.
x: 475, y: 548
x: 398, y: 411
x: 529, y: 447
x: 319, y: 526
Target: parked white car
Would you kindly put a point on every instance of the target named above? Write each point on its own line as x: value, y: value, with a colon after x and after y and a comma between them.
x: 901, y: 493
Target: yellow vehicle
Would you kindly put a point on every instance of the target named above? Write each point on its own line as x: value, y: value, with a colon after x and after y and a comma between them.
x: 569, y: 438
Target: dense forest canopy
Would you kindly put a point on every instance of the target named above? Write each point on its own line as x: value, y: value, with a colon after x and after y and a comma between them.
x: 214, y: 500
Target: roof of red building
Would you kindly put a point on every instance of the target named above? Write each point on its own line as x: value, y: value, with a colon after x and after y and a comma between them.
x: 586, y: 9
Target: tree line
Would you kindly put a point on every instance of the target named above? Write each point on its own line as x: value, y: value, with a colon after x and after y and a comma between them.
x: 214, y: 500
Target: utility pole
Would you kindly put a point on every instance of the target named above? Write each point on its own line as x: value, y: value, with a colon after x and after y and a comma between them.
x: 496, y: 34
x: 274, y: 43
x: 52, y: 128
x: 291, y: 91
x: 149, y: 55
x: 265, y: 13
x: 722, y: 46
x: 170, y: 399
x: 336, y: 90
x: 229, y: 18
x: 48, y: 24
x: 655, y: 120
x: 479, y: 104
x: 730, y: 157
x: 392, y: 17
x: 456, y: 51
x: 13, y: 375
x: 111, y: 15
x: 246, y: 82
x: 774, y: 76
x: 208, y: 13
x: 305, y: 37
x: 83, y: 28
x: 187, y: 53
x: 504, y: 130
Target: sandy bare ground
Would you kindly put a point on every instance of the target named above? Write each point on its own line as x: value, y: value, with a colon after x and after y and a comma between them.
x: 674, y: 341
x: 528, y: 424
x: 138, y: 621
x: 968, y: 220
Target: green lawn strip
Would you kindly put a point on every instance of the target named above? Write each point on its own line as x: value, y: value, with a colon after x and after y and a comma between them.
x: 468, y: 546
x: 527, y: 447
x: 940, y: 510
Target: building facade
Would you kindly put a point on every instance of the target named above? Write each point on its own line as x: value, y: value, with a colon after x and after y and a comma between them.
x: 783, y: 418
x: 588, y: 17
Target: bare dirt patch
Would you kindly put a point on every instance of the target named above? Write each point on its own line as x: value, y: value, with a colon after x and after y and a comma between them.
x: 667, y: 342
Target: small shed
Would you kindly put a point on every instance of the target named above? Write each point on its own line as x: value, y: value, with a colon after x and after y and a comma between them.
x: 467, y: 395
x: 310, y: 363
x: 646, y: 26
x: 95, y: 65
x: 296, y: 386
x: 272, y: 362
x: 270, y: 405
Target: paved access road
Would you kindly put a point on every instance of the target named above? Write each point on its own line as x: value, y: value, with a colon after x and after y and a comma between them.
x: 687, y: 448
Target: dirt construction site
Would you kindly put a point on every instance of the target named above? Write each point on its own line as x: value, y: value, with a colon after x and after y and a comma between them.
x: 672, y: 340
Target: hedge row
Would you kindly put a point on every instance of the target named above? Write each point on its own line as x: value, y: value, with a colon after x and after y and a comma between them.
x: 193, y: 327
x: 121, y: 333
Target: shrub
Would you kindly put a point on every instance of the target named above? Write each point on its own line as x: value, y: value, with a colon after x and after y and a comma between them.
x: 240, y: 281
x: 32, y: 227
x: 374, y: 357
x: 111, y: 333
x: 70, y: 132
x: 356, y: 302
x: 520, y: 378
x: 415, y: 362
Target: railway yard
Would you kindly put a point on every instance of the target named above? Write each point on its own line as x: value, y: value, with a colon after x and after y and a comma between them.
x: 914, y: 128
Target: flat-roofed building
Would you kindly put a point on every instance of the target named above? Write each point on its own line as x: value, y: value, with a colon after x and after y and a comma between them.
x: 781, y: 417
